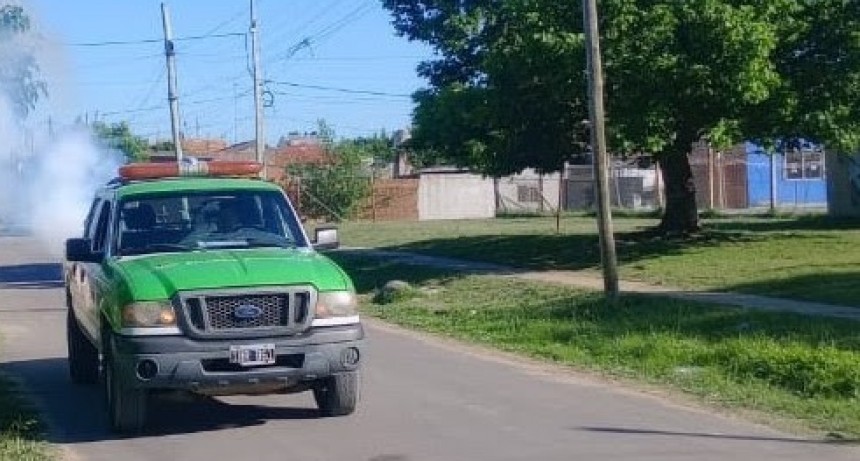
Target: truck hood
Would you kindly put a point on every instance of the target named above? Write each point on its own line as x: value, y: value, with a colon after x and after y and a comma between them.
x: 160, y: 276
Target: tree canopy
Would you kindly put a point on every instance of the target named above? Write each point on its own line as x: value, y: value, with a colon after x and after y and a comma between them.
x: 507, y: 89
x: 120, y: 137
x: 20, y: 78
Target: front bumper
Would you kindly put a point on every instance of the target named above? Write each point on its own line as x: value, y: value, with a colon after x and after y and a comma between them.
x: 202, y: 366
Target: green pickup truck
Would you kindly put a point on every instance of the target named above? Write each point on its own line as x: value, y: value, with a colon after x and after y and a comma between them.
x: 207, y: 285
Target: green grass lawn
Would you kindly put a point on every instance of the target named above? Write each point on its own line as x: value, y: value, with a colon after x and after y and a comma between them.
x: 810, y: 258
x: 20, y: 430
x: 799, y: 369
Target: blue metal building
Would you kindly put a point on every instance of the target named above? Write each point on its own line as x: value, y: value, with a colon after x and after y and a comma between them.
x: 797, y: 172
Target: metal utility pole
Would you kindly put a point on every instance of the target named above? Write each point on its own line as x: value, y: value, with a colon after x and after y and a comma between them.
x: 598, y: 148
x: 170, y: 54
x: 258, y: 91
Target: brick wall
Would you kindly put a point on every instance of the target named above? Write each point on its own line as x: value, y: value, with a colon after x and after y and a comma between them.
x: 392, y: 200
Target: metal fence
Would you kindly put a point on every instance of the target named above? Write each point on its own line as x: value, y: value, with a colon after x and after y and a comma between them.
x: 724, y: 181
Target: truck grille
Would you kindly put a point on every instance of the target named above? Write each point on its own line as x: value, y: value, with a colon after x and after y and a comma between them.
x: 228, y: 314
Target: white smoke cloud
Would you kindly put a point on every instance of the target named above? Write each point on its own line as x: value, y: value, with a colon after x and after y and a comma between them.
x: 46, y: 183
x: 11, y: 144
x: 65, y: 178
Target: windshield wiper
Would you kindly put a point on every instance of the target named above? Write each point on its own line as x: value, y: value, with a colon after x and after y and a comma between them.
x: 215, y: 244
x: 155, y: 248
x: 262, y: 242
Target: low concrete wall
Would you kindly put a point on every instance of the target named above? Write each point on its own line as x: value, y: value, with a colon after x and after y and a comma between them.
x: 843, y: 185
x: 455, y: 196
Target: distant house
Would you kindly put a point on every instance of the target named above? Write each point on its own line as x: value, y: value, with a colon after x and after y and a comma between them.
x: 294, y: 152
x: 202, y: 147
x: 528, y: 191
x: 843, y: 184
x: 797, y: 173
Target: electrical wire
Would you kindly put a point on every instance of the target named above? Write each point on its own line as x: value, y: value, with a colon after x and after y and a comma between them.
x: 339, y: 90
x: 325, y: 32
x: 160, y: 107
x: 155, y: 40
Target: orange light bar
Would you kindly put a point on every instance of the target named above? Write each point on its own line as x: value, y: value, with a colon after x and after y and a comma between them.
x: 175, y: 169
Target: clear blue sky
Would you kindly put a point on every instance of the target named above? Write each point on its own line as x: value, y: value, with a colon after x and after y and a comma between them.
x: 352, y: 46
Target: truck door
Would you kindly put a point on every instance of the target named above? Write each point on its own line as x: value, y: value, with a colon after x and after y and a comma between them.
x: 90, y: 276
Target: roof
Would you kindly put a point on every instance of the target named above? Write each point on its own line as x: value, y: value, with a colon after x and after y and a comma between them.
x: 202, y: 147
x: 187, y: 184
x: 295, y: 154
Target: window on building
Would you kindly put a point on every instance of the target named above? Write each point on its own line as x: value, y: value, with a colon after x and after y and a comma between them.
x: 528, y: 194
x: 804, y: 164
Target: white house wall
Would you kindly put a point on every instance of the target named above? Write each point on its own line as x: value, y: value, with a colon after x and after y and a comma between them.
x: 511, y: 199
x: 455, y: 196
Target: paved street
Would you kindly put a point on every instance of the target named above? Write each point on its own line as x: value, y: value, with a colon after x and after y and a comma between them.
x: 423, y: 399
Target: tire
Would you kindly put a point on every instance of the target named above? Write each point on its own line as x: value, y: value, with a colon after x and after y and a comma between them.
x: 126, y: 405
x: 83, y: 355
x: 337, y: 395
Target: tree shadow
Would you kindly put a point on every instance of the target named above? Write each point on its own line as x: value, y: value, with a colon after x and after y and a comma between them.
x: 569, y: 252
x: 370, y: 272
x: 776, y: 224
x: 728, y: 437
x: 32, y: 276
x: 841, y: 288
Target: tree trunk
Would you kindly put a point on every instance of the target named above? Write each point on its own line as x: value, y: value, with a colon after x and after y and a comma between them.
x: 681, y: 215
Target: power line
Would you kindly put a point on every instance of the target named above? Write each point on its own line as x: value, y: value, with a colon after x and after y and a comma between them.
x: 351, y: 17
x: 156, y: 40
x: 325, y: 9
x: 359, y: 58
x: 333, y: 99
x: 161, y: 107
x: 238, y: 14
x: 339, y: 90
x: 233, y: 18
x: 326, y: 31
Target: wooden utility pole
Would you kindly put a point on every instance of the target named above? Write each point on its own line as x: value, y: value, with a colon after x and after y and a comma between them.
x: 260, y: 149
x: 598, y: 147
x: 773, y: 182
x: 170, y: 54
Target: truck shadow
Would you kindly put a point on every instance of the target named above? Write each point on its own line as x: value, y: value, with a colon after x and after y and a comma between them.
x: 76, y: 413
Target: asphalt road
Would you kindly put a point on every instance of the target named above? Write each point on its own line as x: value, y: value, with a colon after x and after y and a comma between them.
x: 423, y: 399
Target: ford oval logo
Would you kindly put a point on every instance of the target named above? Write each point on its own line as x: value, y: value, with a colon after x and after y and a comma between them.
x: 247, y: 312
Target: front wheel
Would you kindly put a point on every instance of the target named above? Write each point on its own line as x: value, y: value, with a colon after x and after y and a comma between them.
x: 83, y: 356
x: 337, y: 395
x: 126, y: 405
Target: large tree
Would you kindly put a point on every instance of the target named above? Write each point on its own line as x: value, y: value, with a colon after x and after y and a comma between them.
x: 817, y: 58
x: 504, y: 94
x: 680, y: 71
x: 507, y: 90
x: 20, y: 78
x: 120, y: 137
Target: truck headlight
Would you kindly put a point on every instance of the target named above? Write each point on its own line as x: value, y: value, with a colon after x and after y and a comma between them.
x: 336, y: 308
x: 148, y: 314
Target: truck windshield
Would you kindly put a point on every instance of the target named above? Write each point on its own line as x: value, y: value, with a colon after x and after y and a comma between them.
x: 187, y: 221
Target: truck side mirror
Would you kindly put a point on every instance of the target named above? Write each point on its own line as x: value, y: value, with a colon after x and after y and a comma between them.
x: 80, y: 250
x: 325, y: 238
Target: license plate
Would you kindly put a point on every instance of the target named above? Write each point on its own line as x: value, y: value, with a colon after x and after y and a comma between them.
x: 253, y: 355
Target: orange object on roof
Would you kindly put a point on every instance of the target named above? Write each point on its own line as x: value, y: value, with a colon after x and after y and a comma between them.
x: 134, y: 171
